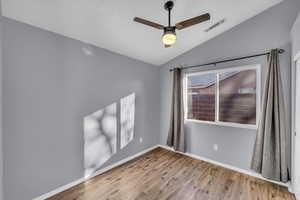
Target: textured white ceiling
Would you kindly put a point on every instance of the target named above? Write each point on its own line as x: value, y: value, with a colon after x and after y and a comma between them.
x: 108, y: 23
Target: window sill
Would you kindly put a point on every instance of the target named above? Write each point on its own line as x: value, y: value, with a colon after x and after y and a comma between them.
x: 234, y: 125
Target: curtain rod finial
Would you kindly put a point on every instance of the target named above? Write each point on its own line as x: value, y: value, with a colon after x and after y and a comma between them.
x: 281, y: 51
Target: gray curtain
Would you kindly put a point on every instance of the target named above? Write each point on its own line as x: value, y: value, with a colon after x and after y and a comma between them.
x: 176, y: 132
x: 270, y: 156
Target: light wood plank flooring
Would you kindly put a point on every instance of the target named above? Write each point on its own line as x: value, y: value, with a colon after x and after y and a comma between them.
x: 166, y: 175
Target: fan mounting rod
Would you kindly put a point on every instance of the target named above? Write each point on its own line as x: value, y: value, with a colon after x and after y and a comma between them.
x: 169, y: 6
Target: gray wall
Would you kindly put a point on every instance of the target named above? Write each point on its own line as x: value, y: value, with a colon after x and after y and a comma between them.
x: 1, y: 142
x: 295, y: 36
x: 49, y: 85
x: 265, y: 31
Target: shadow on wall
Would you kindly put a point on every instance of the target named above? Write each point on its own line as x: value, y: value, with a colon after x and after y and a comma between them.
x: 100, y: 133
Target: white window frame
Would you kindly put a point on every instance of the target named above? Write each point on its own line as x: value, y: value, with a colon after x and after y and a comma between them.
x: 256, y: 67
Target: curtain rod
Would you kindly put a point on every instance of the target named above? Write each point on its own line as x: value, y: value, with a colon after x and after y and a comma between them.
x: 281, y: 51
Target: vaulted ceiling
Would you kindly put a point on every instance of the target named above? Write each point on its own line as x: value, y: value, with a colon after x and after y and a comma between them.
x: 109, y: 23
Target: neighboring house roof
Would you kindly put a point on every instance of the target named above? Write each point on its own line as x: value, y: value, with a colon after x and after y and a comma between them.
x: 207, y: 80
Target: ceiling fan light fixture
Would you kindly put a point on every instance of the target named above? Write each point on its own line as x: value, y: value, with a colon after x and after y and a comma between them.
x: 169, y: 35
x: 169, y: 38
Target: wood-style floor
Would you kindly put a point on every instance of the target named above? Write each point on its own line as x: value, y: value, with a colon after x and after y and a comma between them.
x: 166, y: 175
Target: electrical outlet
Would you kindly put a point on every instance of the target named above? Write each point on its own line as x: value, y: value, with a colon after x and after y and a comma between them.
x: 216, y: 147
x: 141, y: 140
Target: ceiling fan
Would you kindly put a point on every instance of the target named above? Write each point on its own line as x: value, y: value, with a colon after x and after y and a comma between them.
x: 169, y: 34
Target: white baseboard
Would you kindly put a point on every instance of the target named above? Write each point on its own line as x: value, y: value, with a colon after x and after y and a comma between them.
x: 297, y: 194
x: 248, y: 172
x: 101, y: 171
x: 60, y: 189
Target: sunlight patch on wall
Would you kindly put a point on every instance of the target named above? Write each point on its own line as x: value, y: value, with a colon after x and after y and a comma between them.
x: 127, y: 119
x: 100, y: 138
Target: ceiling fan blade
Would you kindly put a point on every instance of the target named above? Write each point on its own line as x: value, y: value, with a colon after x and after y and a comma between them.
x: 167, y: 46
x: 148, y: 23
x: 193, y: 21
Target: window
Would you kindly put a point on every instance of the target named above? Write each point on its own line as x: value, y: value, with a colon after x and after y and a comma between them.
x: 201, y: 97
x: 224, y: 97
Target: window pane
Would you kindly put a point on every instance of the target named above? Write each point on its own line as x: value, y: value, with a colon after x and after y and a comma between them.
x: 201, y: 97
x: 238, y: 97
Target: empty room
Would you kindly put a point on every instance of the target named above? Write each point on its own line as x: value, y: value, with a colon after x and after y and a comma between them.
x: 149, y: 100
